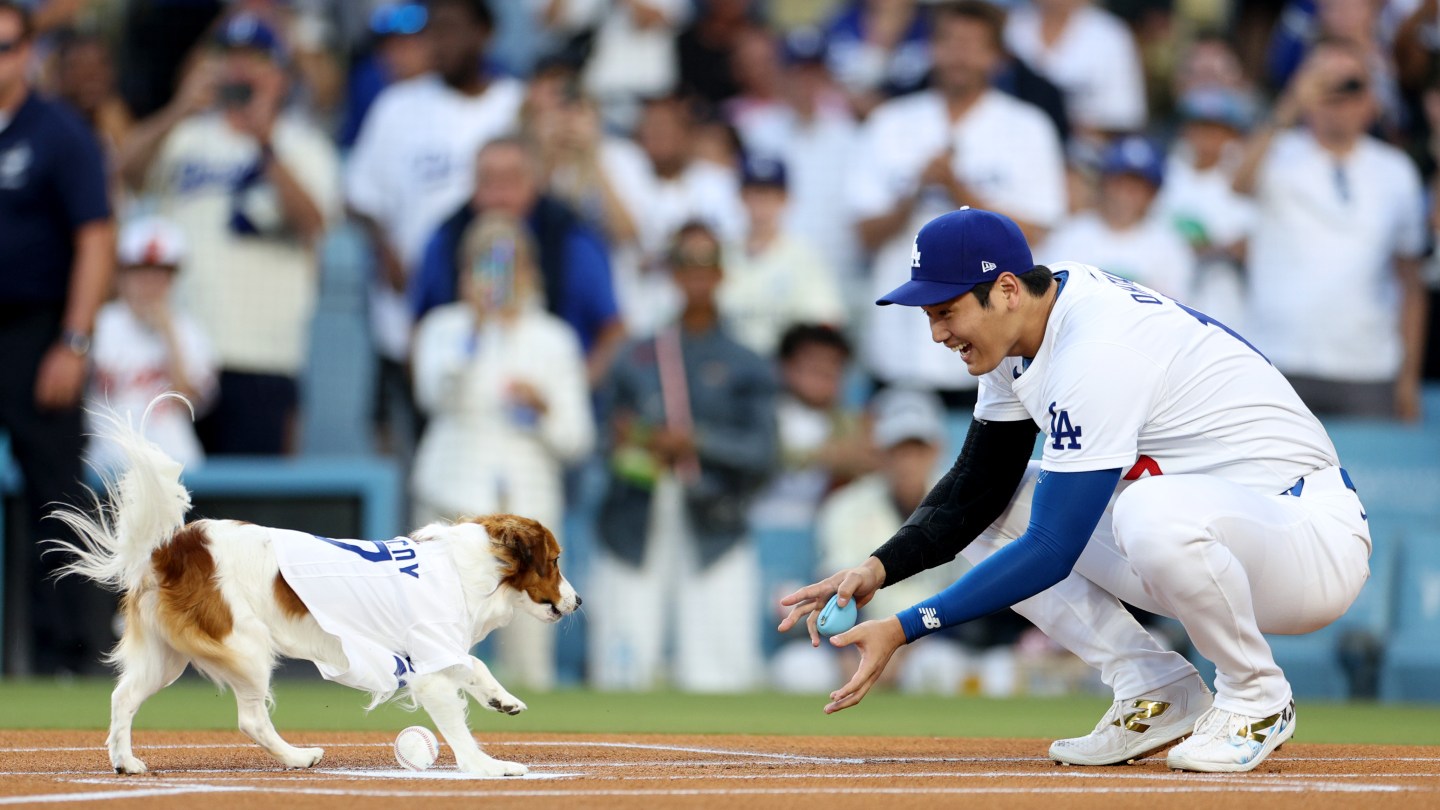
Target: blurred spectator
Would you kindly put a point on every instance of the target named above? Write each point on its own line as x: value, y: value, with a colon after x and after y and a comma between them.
x: 58, y: 241
x: 1211, y: 63
x: 1122, y: 235
x: 159, y: 37
x: 1091, y: 55
x: 144, y: 347
x: 574, y: 270
x: 503, y: 384
x: 1345, y: 210
x: 707, y: 47
x: 909, y: 430
x: 1015, y: 76
x: 403, y: 180
x: 397, y: 52
x: 794, y: 113
x: 878, y: 49
x: 84, y: 76
x: 823, y: 443
x: 683, y: 189
x: 1199, y: 200
x: 252, y: 187
x: 307, y: 35
x: 959, y: 143
x: 1368, y: 24
x: 774, y: 279
x: 628, y: 49
x: 692, y: 415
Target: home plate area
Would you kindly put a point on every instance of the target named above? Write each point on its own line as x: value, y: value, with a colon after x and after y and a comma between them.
x: 223, y: 770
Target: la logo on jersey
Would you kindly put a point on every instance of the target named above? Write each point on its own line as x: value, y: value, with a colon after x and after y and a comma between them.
x: 1061, y: 430
x: 986, y: 267
x: 915, y: 254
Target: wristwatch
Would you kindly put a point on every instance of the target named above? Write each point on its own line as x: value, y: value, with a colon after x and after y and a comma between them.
x: 77, y: 342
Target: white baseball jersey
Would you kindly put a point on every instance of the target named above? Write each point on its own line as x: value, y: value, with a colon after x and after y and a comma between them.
x: 1128, y: 378
x: 396, y: 605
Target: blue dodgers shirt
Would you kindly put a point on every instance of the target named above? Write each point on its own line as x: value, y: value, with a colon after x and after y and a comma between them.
x: 52, y: 181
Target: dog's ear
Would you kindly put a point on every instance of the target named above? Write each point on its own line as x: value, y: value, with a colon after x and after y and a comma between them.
x: 525, y: 542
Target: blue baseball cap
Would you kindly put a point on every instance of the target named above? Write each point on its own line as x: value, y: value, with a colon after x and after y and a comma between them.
x: 398, y: 19
x: 1134, y: 155
x: 805, y: 45
x: 1218, y: 105
x: 956, y: 251
x: 763, y: 170
x: 250, y: 32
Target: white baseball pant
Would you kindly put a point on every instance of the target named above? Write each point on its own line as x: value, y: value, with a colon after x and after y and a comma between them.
x: 1228, y: 562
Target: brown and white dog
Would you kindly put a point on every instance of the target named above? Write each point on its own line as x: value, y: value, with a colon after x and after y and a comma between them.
x: 210, y: 593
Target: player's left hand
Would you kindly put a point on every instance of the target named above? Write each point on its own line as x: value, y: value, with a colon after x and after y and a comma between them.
x: 877, y: 641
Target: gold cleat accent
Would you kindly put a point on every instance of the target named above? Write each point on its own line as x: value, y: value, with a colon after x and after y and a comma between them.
x: 1147, y: 710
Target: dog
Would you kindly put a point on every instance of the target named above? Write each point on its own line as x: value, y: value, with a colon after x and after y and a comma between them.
x: 211, y: 593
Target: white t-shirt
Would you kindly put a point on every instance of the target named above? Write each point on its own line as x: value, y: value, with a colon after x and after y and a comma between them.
x: 397, y: 606
x: 480, y: 452
x: 1006, y: 152
x: 252, y: 294
x: 764, y: 294
x: 1151, y: 253
x: 812, y: 153
x: 132, y: 367
x: 1324, y: 298
x: 1127, y: 378
x: 1095, y: 63
x: 413, y: 166
x: 1204, y: 203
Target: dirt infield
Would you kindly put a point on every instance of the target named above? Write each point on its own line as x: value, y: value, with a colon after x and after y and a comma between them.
x: 215, y: 770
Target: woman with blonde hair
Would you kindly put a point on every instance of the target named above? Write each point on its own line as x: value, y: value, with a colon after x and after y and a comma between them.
x: 503, y: 384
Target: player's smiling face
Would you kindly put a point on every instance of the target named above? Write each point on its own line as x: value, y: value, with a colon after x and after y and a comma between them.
x: 982, y: 336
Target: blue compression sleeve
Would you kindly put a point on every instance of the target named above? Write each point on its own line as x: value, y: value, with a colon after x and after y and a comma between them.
x: 1064, y: 513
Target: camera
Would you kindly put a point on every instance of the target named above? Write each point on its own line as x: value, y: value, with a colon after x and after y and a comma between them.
x: 236, y: 94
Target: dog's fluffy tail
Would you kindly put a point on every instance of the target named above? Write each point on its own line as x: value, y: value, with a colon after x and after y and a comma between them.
x: 144, y: 505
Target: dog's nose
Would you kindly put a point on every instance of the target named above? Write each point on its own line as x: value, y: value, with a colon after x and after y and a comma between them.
x: 578, y: 600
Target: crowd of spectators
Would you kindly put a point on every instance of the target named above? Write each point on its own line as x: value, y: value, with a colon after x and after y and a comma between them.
x: 638, y: 241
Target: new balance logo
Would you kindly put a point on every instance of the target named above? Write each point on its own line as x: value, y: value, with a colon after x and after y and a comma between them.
x: 1144, y: 710
x: 929, y: 617
x: 985, y: 267
x: 915, y: 254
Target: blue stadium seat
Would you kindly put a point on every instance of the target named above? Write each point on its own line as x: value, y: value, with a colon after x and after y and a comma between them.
x: 337, y: 386
x: 1411, y: 669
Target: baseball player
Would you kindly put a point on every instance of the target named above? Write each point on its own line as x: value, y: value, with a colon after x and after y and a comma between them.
x: 1181, y: 473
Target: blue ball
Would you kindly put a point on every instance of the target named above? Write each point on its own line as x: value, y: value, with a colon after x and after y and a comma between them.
x: 835, y: 619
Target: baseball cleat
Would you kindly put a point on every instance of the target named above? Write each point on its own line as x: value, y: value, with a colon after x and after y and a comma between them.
x: 1226, y: 742
x: 1138, y: 727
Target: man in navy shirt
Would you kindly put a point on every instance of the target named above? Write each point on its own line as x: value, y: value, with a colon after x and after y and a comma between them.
x: 574, y: 262
x: 57, y: 243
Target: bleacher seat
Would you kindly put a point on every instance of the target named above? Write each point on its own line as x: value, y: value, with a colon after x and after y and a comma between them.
x: 337, y: 385
x: 1411, y: 668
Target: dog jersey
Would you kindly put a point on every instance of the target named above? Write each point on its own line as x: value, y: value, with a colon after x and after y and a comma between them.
x: 396, y: 605
x: 1126, y: 377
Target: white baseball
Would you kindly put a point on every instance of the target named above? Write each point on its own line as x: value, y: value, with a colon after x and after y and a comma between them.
x: 416, y: 748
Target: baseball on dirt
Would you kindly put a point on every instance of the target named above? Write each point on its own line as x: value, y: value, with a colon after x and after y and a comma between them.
x: 416, y: 748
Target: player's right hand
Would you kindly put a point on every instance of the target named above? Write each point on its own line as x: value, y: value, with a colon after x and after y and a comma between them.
x: 859, y: 583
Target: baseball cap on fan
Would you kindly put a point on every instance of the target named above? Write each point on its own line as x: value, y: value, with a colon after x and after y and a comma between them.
x: 956, y: 251
x: 908, y: 414
x: 150, y: 242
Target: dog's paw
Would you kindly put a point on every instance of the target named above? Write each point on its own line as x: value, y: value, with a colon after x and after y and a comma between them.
x: 303, y: 757
x: 486, y: 766
x: 130, y: 765
x: 507, y: 704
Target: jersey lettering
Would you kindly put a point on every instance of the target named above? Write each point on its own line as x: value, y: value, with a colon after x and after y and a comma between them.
x: 1144, y: 465
x: 1209, y: 321
x: 397, y: 550
x: 1136, y: 292
x: 1061, y: 430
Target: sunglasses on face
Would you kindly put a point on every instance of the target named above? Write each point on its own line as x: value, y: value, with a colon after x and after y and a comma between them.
x: 1353, y: 86
x: 10, y: 45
